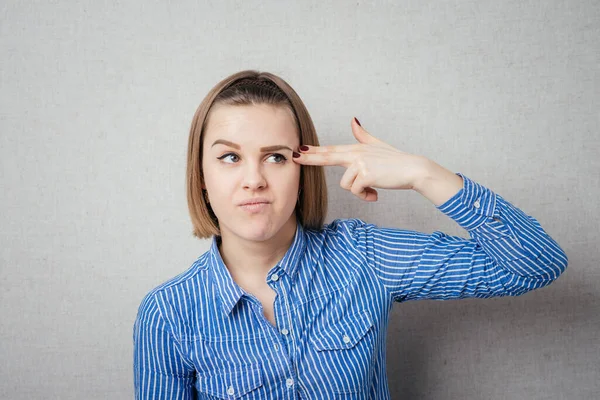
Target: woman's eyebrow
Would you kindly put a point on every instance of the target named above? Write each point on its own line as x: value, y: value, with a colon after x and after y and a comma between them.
x: 237, y: 146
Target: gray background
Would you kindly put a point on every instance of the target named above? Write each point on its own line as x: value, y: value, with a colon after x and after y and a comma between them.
x: 97, y: 100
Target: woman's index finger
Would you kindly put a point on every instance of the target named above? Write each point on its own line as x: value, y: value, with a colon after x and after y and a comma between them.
x: 324, y: 155
x: 338, y: 148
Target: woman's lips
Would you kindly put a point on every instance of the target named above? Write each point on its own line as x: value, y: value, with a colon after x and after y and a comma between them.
x: 255, y: 208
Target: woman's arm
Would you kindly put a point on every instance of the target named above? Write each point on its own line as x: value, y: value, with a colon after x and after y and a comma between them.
x: 509, y: 253
x: 436, y: 183
x: 159, y: 369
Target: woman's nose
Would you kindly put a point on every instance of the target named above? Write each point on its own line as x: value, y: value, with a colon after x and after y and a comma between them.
x: 254, y: 177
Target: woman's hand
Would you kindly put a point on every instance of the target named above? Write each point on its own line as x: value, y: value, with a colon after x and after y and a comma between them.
x: 370, y: 164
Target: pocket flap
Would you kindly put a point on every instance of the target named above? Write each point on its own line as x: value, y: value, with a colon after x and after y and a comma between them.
x: 344, y: 334
x: 231, y: 384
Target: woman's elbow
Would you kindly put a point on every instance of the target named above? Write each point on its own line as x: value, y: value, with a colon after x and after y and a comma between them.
x: 561, y: 261
x: 556, y: 267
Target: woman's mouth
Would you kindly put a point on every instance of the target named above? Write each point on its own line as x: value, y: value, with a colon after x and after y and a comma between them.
x: 254, y: 208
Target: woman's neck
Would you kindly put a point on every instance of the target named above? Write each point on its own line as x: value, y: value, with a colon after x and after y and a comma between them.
x: 251, y: 261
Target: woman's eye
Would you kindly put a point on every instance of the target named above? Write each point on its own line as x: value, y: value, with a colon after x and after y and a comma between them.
x: 225, y: 156
x: 281, y: 158
x: 232, y: 158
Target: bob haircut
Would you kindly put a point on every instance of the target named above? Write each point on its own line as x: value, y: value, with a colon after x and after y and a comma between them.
x: 245, y: 88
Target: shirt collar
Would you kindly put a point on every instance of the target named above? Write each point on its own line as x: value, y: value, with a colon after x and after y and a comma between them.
x: 230, y: 291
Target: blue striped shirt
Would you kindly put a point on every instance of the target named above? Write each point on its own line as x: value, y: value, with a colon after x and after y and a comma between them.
x: 200, y: 336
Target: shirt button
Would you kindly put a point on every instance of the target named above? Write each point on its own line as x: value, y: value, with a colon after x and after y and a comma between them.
x: 284, y: 331
x: 289, y: 382
x: 476, y: 204
x: 230, y: 391
x: 275, y: 277
x: 346, y: 339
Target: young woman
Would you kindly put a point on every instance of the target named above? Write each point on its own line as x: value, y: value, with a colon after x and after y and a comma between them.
x: 285, y: 307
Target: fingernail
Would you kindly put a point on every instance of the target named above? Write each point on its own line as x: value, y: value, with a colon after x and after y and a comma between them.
x: 357, y: 121
x: 295, y: 155
x: 304, y: 148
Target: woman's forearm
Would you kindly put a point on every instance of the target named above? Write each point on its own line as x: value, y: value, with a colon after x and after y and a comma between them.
x: 437, y: 183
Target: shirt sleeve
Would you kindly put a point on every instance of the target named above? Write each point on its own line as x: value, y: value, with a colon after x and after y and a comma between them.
x: 159, y: 369
x: 509, y: 253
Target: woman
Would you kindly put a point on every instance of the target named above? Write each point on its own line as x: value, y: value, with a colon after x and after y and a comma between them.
x: 284, y: 307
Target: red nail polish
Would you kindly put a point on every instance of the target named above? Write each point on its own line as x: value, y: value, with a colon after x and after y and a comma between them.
x: 357, y: 121
x: 295, y: 155
x: 304, y: 148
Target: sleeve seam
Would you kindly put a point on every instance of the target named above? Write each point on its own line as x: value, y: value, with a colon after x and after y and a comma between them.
x: 136, y: 366
x: 372, y: 266
x: 169, y: 331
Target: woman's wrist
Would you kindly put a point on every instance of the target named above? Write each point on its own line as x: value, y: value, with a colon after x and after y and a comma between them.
x: 437, y: 183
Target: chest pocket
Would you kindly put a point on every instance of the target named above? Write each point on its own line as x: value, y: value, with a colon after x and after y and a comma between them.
x: 235, y: 384
x: 344, y: 353
x: 345, y: 334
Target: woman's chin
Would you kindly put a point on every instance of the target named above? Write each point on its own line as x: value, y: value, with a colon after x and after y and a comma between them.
x: 255, y: 231
x: 259, y: 232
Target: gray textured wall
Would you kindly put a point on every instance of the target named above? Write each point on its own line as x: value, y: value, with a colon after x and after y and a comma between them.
x: 96, y: 105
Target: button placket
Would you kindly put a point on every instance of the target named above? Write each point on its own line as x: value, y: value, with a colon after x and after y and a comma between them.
x: 286, y: 332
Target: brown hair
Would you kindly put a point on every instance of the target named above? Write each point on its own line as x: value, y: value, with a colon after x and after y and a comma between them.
x: 252, y: 88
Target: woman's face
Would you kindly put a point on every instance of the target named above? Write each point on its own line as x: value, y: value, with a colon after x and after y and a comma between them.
x: 247, y: 154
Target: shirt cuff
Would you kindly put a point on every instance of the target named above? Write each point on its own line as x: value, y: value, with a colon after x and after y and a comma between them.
x: 471, y: 206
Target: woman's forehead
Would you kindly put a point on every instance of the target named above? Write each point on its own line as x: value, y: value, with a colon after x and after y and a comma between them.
x: 261, y: 125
